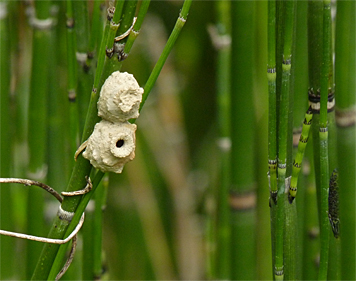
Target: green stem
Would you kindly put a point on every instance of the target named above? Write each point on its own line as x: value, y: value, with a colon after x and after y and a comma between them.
x: 242, y: 177
x: 118, y: 27
x: 6, y: 208
x: 37, y: 129
x: 221, y: 258
x: 297, y: 164
x: 136, y: 30
x: 272, y: 100
x: 323, y: 135
x: 85, y: 77
x: 283, y: 134
x: 72, y: 75
x: 345, y: 89
x: 310, y: 227
x: 58, y: 263
x: 166, y: 51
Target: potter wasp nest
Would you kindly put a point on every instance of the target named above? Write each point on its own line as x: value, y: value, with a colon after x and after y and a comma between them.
x: 112, y: 143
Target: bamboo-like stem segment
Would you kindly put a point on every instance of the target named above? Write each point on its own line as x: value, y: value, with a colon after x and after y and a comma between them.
x: 345, y: 89
x: 297, y: 164
x: 284, y: 124
x: 221, y: 259
x: 37, y: 126
x: 242, y: 177
x: 272, y: 118
x: 6, y: 138
x: 323, y: 135
x: 272, y: 100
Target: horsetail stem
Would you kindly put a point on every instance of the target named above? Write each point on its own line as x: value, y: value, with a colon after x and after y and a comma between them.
x: 297, y: 164
x: 283, y: 131
x: 323, y: 135
x: 345, y: 89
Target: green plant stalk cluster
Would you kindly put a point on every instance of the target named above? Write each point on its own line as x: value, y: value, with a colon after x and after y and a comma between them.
x: 77, y: 181
x: 128, y: 12
x: 83, y: 166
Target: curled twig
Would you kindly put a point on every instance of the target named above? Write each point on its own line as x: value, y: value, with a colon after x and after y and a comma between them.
x: 72, y: 236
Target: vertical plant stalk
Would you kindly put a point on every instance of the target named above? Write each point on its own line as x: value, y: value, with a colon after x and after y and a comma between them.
x: 315, y: 31
x: 221, y: 260
x: 100, y: 201
x: 297, y: 164
x: 242, y: 178
x: 136, y: 30
x: 6, y: 137
x: 311, y: 243
x: 96, y: 30
x: 323, y: 135
x: 345, y: 89
x: 272, y: 101
x: 72, y: 75
x: 166, y: 50
x: 272, y: 118
x: 84, y: 73
x: 300, y: 100
x: 284, y: 129
x: 37, y: 127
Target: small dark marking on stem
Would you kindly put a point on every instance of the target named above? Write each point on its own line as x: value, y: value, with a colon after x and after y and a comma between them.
x: 111, y: 12
x: 109, y: 52
x: 278, y: 271
x: 273, y: 196
x: 297, y: 165
x: 90, y: 55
